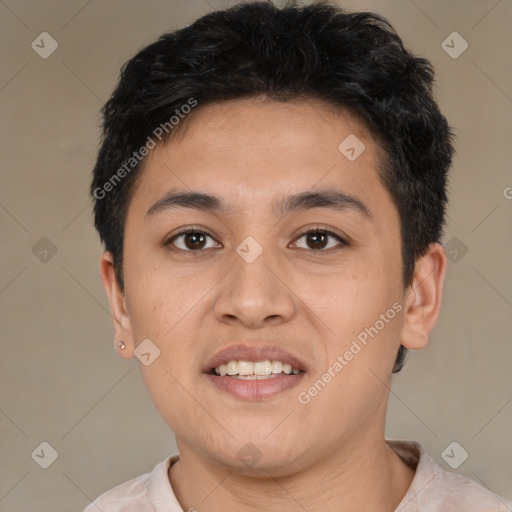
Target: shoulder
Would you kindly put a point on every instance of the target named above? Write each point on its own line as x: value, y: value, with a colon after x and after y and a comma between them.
x: 436, y: 490
x: 138, y: 494
x: 132, y: 495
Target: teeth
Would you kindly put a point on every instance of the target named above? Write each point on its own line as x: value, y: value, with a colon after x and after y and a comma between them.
x: 232, y: 368
x: 245, y: 368
x: 277, y: 367
x: 254, y: 377
x: 259, y: 370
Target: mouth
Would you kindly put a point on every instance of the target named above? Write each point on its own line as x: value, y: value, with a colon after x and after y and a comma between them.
x: 254, y: 373
x: 258, y: 370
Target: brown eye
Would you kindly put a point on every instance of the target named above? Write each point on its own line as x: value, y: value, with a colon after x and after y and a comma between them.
x: 191, y: 241
x: 194, y: 240
x: 318, y: 240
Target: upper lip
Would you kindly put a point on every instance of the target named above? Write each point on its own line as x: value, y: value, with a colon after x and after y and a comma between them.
x: 253, y: 353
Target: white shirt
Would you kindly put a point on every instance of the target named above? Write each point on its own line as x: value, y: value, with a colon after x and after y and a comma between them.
x: 432, y: 489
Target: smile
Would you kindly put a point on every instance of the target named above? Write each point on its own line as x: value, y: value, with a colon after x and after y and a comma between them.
x: 249, y: 370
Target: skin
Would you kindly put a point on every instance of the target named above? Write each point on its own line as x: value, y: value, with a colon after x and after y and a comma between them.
x: 329, y: 454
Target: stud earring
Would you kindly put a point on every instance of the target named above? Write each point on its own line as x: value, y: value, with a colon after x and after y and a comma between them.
x: 121, y: 345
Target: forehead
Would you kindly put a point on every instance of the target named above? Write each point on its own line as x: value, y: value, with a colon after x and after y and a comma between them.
x: 253, y: 150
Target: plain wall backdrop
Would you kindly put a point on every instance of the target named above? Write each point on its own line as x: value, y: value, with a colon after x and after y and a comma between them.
x: 61, y: 382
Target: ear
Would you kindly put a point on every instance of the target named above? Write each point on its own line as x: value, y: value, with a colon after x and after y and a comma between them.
x: 423, y: 298
x: 120, y: 316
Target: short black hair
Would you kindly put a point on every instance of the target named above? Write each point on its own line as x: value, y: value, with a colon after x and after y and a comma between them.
x: 355, y: 61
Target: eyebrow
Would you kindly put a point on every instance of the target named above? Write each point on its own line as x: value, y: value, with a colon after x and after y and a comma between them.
x: 328, y: 198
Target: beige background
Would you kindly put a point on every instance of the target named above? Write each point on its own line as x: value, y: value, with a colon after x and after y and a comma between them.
x: 60, y: 379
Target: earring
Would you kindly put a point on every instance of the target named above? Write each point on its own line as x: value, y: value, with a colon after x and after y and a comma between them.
x: 121, y: 345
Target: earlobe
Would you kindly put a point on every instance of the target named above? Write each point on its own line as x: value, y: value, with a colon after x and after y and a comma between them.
x: 124, y: 344
x: 423, y: 298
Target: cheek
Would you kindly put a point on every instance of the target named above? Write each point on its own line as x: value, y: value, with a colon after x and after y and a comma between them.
x: 364, y: 313
x: 164, y: 313
x: 354, y: 383
x: 159, y: 300
x: 352, y: 300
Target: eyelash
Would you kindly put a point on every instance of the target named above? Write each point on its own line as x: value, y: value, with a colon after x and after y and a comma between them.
x: 324, y: 231
x: 314, y: 230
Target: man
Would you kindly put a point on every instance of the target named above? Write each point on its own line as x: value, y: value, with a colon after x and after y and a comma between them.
x: 271, y: 191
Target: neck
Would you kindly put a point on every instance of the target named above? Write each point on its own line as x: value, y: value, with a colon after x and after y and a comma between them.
x: 359, y: 475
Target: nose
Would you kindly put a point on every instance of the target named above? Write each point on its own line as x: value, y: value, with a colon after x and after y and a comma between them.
x: 255, y: 294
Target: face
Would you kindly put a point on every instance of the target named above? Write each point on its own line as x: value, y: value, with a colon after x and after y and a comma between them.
x: 293, y: 258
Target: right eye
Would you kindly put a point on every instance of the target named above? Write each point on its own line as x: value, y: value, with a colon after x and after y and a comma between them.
x: 190, y: 240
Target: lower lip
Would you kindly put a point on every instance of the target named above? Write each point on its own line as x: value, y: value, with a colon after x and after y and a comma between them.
x: 255, y: 390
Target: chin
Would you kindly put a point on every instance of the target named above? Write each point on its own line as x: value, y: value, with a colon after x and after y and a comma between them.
x: 255, y: 455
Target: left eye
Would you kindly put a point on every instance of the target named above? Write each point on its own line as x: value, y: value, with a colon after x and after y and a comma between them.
x: 319, y: 239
